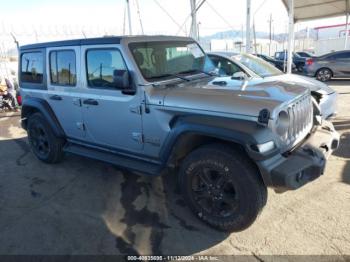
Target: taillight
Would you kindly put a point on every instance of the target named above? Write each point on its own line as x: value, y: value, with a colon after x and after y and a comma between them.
x: 19, y: 100
x: 309, y: 61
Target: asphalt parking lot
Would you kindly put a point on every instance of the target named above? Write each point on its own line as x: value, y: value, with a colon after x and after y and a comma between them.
x: 82, y: 206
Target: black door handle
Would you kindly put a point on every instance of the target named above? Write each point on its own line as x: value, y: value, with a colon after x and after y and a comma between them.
x: 91, y: 102
x: 56, y: 97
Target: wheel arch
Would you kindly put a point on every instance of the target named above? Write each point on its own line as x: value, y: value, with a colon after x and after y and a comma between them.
x: 37, y: 105
x: 191, y: 132
x: 324, y: 67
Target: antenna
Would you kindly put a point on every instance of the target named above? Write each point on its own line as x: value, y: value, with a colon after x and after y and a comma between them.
x: 15, y: 40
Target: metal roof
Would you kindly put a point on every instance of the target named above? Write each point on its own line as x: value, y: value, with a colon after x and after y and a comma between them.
x: 315, y: 9
x: 106, y: 40
x: 88, y: 41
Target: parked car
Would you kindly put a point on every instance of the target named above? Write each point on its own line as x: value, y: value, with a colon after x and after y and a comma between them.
x: 304, y: 54
x: 280, y: 64
x: 297, y: 60
x: 259, y: 71
x: 326, y: 67
x: 150, y: 103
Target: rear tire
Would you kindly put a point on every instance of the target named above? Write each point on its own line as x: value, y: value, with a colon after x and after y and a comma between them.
x: 222, y: 187
x: 300, y: 68
x: 43, y: 142
x: 324, y: 74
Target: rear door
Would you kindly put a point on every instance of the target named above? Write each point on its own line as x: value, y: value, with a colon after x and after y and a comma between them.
x: 341, y: 64
x: 64, y: 88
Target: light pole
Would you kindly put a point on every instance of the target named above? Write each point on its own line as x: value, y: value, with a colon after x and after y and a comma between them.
x: 247, y: 28
x: 290, y: 36
x: 193, y: 32
x: 199, y: 23
x: 129, y: 16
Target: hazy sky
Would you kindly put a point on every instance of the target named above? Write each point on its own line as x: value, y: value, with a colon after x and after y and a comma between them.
x: 24, y: 15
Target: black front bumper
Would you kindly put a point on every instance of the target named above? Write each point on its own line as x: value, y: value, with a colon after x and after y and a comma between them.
x: 303, y: 164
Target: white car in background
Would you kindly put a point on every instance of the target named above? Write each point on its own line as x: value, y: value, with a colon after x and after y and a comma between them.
x: 253, y: 69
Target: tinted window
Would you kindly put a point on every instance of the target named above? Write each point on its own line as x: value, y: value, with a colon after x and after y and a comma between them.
x: 340, y: 55
x: 63, y: 68
x: 32, y: 67
x: 101, y: 67
x: 279, y: 55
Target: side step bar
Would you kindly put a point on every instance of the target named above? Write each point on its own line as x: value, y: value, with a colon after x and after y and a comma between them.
x: 133, y: 164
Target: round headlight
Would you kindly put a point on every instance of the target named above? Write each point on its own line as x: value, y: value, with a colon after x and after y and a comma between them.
x: 282, y: 123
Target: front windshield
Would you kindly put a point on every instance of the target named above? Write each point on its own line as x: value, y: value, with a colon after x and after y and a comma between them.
x: 258, y: 65
x: 162, y: 60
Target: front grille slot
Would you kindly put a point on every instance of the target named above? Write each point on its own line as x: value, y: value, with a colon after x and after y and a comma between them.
x: 300, y: 118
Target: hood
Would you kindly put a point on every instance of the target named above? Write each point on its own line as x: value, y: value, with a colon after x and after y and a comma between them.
x: 310, y: 83
x: 246, y: 99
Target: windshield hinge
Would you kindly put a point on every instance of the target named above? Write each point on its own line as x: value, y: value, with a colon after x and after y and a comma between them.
x: 136, y: 109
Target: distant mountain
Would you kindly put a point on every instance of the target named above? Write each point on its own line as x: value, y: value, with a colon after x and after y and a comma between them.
x: 231, y: 34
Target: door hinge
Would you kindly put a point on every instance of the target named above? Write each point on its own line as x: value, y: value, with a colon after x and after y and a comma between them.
x: 77, y: 101
x: 138, y: 137
x: 81, y: 126
x: 136, y: 109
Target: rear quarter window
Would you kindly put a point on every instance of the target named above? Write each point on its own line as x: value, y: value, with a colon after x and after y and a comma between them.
x: 32, y: 67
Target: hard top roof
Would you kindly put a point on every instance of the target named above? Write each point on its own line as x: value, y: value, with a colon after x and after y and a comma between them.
x: 104, y: 40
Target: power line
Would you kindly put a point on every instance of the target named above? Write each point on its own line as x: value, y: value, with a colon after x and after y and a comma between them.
x: 219, y: 15
x: 167, y: 13
x: 139, y: 15
x: 188, y: 17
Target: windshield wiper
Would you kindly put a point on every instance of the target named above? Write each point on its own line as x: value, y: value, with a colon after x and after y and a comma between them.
x: 167, y: 75
x: 198, y: 71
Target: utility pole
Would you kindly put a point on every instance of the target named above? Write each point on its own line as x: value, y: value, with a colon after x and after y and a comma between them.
x: 347, y: 25
x: 247, y: 28
x: 193, y: 31
x: 290, y: 35
x: 129, y: 17
x: 255, y: 44
x: 270, y: 33
x: 199, y: 23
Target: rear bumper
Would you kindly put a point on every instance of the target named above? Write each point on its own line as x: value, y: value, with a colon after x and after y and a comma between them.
x: 304, y: 164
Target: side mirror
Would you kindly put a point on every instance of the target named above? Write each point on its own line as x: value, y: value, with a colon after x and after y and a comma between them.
x: 121, y: 79
x: 239, y: 76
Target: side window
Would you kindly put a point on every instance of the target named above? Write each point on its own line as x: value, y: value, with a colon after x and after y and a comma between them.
x: 343, y: 55
x: 225, y: 66
x: 63, y: 68
x: 102, y: 66
x: 32, y: 65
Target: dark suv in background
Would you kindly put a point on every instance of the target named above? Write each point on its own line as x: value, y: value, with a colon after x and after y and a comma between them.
x: 297, y: 59
x: 332, y: 65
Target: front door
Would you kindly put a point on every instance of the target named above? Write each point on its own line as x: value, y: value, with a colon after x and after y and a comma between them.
x: 343, y: 64
x: 111, y: 118
x: 64, y: 89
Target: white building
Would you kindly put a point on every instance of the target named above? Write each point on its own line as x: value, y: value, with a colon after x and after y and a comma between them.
x: 331, y: 31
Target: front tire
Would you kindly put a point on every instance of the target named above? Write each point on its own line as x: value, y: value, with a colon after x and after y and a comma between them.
x: 222, y: 187
x: 43, y: 142
x: 324, y: 74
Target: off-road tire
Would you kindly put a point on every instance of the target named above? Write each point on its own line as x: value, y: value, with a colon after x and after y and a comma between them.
x: 243, y: 174
x: 39, y: 129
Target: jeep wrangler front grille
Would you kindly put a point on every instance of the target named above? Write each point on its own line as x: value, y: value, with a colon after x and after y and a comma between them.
x: 300, y: 119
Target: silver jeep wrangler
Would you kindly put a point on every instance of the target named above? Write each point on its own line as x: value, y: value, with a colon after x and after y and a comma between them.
x: 150, y: 103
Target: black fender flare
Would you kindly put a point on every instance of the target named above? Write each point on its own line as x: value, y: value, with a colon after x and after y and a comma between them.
x: 243, y: 132
x: 34, y: 104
